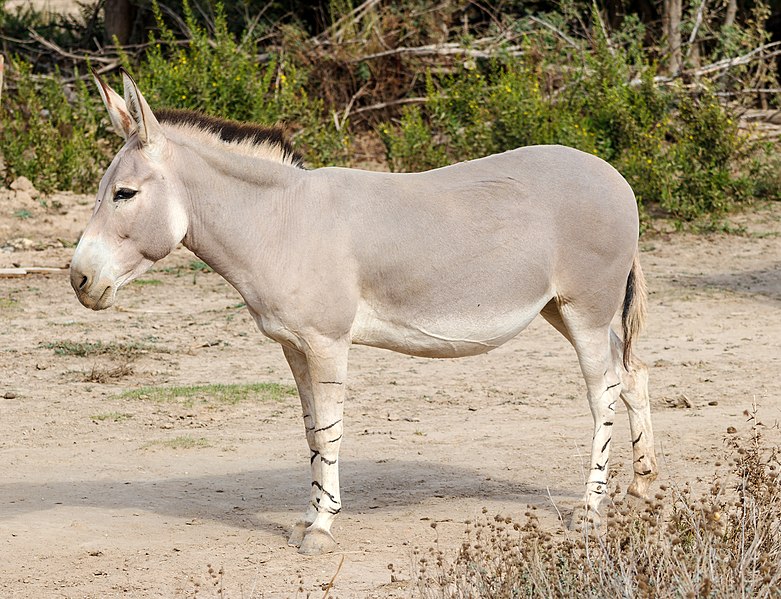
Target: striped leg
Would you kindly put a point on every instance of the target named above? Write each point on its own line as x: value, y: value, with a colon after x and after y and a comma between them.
x: 603, y: 383
x: 634, y: 393
x: 298, y: 366
x: 326, y: 367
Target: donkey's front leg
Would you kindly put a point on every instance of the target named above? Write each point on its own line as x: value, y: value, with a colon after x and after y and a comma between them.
x: 326, y: 363
x: 298, y: 366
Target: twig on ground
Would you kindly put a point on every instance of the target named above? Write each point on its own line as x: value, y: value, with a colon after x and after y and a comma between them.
x: 333, y: 579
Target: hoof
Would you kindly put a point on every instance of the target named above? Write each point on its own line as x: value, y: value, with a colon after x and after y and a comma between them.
x: 640, y: 487
x: 317, y: 542
x: 636, y: 501
x: 297, y: 536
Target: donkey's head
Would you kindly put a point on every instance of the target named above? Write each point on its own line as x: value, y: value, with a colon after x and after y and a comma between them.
x: 139, y: 215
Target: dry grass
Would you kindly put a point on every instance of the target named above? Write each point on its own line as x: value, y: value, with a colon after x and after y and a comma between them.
x: 107, y: 374
x: 724, y: 542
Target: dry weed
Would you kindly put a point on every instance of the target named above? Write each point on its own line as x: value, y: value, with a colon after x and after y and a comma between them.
x: 725, y: 542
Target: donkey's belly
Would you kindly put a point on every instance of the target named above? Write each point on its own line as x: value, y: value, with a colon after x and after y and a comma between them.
x: 451, y: 336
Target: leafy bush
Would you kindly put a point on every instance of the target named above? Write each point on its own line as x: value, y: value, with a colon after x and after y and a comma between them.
x: 218, y: 75
x: 49, y: 132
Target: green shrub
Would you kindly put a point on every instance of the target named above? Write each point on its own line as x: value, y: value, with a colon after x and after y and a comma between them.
x: 49, y: 137
x: 218, y: 75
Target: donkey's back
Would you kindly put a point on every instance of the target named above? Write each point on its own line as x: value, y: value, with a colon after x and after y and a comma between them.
x: 457, y: 260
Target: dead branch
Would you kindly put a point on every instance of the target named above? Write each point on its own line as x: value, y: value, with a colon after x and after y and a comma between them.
x: 64, y: 53
x: 382, y: 105
x: 720, y: 65
x: 449, y: 49
x: 695, y: 29
x: 728, y: 63
x: 558, y: 32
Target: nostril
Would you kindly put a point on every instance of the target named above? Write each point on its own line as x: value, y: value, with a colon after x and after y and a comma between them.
x: 84, y: 281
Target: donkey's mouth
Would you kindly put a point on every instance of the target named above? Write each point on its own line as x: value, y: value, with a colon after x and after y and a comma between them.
x: 105, y: 300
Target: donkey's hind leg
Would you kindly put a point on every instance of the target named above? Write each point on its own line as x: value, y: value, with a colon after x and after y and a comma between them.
x: 634, y: 394
x: 602, y: 374
x: 600, y: 371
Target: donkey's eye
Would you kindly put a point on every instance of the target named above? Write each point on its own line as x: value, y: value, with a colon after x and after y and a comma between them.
x: 123, y: 193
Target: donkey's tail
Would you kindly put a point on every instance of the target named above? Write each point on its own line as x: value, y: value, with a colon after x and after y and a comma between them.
x: 635, y: 307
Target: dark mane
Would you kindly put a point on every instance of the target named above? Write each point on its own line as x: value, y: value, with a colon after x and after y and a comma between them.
x: 234, y: 131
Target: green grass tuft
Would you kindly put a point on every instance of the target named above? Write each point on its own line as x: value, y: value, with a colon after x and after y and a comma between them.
x: 112, y: 416
x: 84, y: 349
x: 221, y: 394
x: 181, y: 442
x: 147, y: 282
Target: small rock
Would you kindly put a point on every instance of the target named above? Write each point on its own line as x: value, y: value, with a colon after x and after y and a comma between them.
x: 20, y: 244
x: 732, y: 430
x: 9, y: 395
x: 23, y: 184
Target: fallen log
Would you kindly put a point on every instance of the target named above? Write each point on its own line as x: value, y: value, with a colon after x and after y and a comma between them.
x: 11, y: 273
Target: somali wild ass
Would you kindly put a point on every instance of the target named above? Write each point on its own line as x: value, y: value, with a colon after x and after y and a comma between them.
x: 446, y: 263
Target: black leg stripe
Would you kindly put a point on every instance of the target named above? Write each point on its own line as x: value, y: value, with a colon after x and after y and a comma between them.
x: 604, y: 447
x: 335, y: 440
x: 329, y: 462
x: 315, y: 453
x: 636, y: 441
x: 329, y: 382
x: 319, y: 486
x: 325, y: 428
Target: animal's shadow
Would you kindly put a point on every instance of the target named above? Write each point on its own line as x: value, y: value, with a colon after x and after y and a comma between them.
x: 764, y: 282
x: 241, y: 499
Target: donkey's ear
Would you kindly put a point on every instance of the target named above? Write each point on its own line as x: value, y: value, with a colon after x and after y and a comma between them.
x: 150, y: 133
x: 117, y: 109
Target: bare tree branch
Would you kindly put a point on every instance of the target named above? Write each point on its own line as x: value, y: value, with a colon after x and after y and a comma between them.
x: 450, y: 49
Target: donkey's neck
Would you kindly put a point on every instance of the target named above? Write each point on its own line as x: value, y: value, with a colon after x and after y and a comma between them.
x: 238, y: 208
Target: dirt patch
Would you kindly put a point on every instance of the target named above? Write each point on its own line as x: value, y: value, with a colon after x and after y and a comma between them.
x: 107, y: 493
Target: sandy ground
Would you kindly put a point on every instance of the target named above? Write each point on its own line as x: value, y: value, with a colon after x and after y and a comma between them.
x: 101, y: 497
